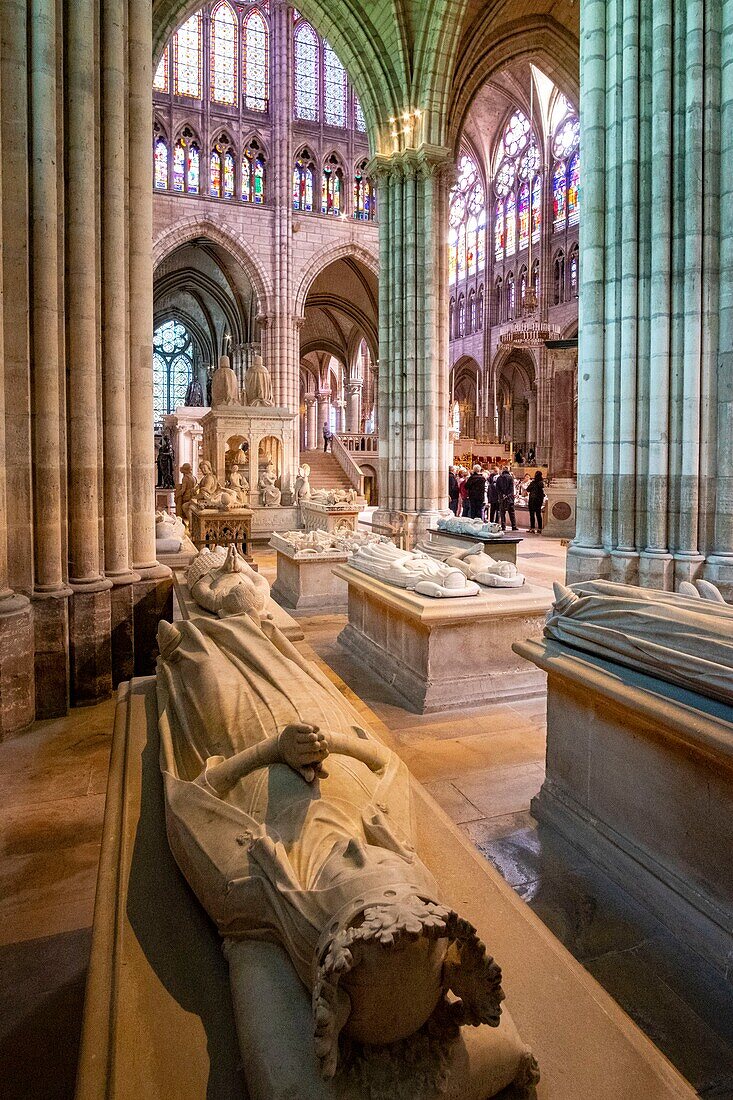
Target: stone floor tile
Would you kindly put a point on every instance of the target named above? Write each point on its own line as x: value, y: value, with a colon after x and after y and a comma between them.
x: 44, y: 827
x: 47, y: 892
x: 504, y: 789
x: 480, y: 833
x: 455, y: 804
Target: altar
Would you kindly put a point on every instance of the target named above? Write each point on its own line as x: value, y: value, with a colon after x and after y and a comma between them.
x: 442, y: 654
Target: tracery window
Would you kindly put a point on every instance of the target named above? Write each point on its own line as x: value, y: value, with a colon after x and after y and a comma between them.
x: 255, y: 62
x: 306, y: 72
x: 461, y: 324
x: 510, y: 297
x: 451, y: 318
x: 332, y: 186
x: 334, y: 88
x: 522, y: 287
x: 566, y: 172
x: 559, y: 278
x: 253, y: 173
x: 303, y: 181
x: 364, y: 194
x: 471, y: 314
x: 359, y: 120
x: 187, y: 58
x: 536, y: 278
x: 467, y: 222
x: 172, y: 368
x: 574, y: 271
x: 498, y: 301
x: 186, y: 163
x: 480, y: 308
x: 518, y: 188
x: 160, y: 82
x: 223, y: 54
x: 221, y: 169
x: 160, y: 160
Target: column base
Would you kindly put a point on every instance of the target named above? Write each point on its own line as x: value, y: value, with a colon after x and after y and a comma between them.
x: 51, y: 652
x: 587, y: 563
x: 90, y: 643
x: 687, y: 567
x: 719, y: 570
x: 560, y: 515
x: 122, y: 627
x: 17, y: 688
x: 625, y: 566
x: 152, y: 600
x: 656, y: 570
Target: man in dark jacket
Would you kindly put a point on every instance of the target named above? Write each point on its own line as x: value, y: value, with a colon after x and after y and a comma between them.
x: 476, y: 492
x: 452, y: 491
x: 327, y: 437
x: 492, y: 494
x: 505, y: 489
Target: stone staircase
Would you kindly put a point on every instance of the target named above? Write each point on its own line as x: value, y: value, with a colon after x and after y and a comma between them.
x: 326, y: 473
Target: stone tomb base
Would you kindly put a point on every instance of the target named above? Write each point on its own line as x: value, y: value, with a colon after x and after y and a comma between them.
x: 158, y: 1019
x: 322, y: 517
x: 442, y: 654
x: 640, y: 778
x: 504, y: 549
x: 306, y: 582
x: 267, y: 520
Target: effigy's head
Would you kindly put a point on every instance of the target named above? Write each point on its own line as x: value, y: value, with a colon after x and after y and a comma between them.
x: 384, y: 965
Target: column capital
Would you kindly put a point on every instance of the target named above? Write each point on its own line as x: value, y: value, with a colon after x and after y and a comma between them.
x: 264, y: 320
x: 310, y: 399
x: 424, y: 161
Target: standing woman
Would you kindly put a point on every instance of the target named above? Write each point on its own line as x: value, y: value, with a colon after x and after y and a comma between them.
x: 535, y: 499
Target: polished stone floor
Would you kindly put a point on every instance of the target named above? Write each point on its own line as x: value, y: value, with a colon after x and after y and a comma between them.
x: 482, y: 766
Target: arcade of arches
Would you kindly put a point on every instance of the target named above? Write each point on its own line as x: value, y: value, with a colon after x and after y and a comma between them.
x: 453, y: 231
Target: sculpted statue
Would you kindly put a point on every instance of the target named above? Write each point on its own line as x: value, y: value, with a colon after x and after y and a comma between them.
x: 239, y: 485
x: 194, y: 394
x: 186, y: 491
x: 258, y: 384
x: 701, y: 590
x: 477, y: 566
x: 315, y: 542
x: 410, y: 569
x: 292, y: 823
x: 334, y: 498
x: 462, y: 525
x: 165, y: 464
x: 302, y: 483
x: 209, y: 493
x: 214, y: 575
x: 169, y: 527
x: 224, y: 385
x: 685, y: 641
x: 269, y: 492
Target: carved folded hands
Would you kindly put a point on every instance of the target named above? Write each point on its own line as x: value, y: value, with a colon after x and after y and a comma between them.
x: 304, y: 748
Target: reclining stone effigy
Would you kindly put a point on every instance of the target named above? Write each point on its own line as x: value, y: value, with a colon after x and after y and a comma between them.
x: 413, y: 570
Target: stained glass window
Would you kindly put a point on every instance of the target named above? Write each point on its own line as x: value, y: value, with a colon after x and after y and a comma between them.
x: 536, y: 207
x: 172, y: 368
x: 193, y: 169
x: 559, y: 273
x: 451, y: 318
x: 574, y: 273
x: 303, y: 178
x: 467, y: 217
x: 160, y: 83
x: 574, y: 189
x: 334, y: 81
x: 471, y: 245
x: 499, y: 231
x: 359, y: 120
x: 516, y: 134
x: 505, y: 178
x: 161, y: 164
x: 223, y: 55
x: 228, y: 175
x: 559, y: 195
x: 481, y: 241
x: 511, y: 300
x: 253, y: 174
x: 566, y: 138
x: 332, y: 187
x: 511, y: 225
x: 461, y: 251
x: 452, y: 254
x: 179, y: 166
x: 255, y: 67
x: 461, y: 315
x: 215, y: 175
x: 471, y: 315
x: 363, y: 194
x: 523, y: 215
x: 187, y: 58
x: 306, y: 72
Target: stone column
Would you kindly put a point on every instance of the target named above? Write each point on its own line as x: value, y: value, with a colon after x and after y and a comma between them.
x: 50, y: 592
x: 324, y: 413
x: 311, y: 414
x: 413, y: 331
x: 89, y: 611
x: 17, y: 695
x: 115, y: 363
x: 353, y: 408
x: 561, y: 490
x: 152, y: 594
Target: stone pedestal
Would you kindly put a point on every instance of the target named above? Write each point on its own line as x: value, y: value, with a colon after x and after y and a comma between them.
x: 442, y: 654
x: 267, y: 520
x: 152, y: 601
x: 51, y: 648
x: 17, y: 694
x: 324, y: 517
x: 640, y: 777
x: 233, y: 425
x: 503, y: 549
x: 306, y: 582
x: 90, y: 648
x: 559, y: 517
x: 122, y: 633
x: 212, y: 527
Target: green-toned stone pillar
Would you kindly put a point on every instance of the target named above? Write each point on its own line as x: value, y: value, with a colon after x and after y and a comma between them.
x: 413, y: 333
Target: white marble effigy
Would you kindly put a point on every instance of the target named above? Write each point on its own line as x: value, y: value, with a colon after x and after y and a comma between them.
x: 413, y: 570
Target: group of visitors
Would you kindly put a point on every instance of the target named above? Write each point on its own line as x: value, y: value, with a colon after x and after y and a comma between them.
x: 490, y: 493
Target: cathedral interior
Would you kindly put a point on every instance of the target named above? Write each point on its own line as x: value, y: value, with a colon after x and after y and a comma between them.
x: 366, y: 549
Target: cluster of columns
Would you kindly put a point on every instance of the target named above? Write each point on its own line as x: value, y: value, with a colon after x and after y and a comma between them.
x: 655, y: 374
x: 79, y: 582
x: 413, y: 392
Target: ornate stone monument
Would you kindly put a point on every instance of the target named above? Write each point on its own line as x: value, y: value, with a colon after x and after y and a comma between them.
x: 224, y: 385
x: 258, y: 385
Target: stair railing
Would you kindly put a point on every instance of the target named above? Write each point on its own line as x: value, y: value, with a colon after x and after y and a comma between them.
x: 348, y: 465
